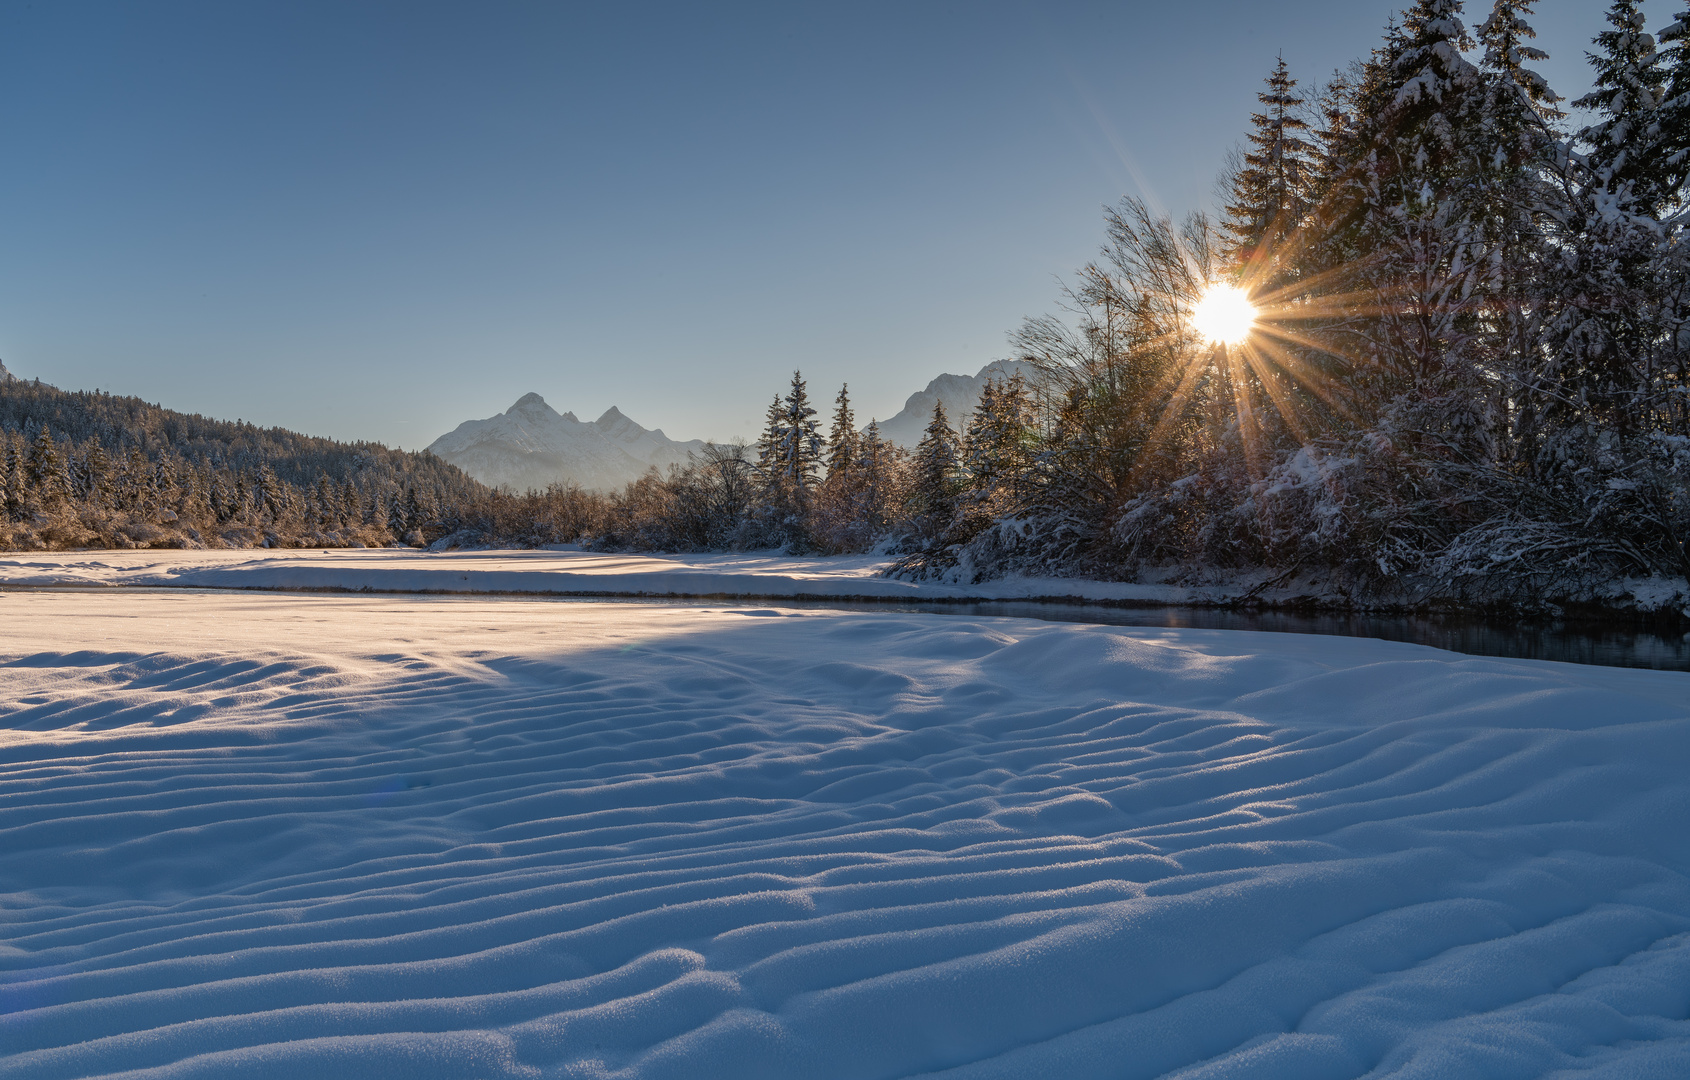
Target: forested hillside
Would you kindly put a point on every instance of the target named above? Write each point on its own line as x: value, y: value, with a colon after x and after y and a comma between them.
x: 81, y: 469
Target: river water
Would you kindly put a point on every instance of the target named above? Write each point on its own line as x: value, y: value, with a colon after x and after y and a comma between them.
x: 1570, y: 641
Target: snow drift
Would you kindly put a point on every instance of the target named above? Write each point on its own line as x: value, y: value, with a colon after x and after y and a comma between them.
x: 281, y: 836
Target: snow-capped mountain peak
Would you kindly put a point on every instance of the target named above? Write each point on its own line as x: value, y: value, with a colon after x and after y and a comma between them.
x: 960, y: 394
x: 531, y: 445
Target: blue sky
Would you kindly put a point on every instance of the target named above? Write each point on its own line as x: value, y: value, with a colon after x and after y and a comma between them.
x: 376, y: 220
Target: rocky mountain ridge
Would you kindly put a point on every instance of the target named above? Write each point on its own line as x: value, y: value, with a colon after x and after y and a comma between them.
x: 959, y: 393
x: 531, y: 445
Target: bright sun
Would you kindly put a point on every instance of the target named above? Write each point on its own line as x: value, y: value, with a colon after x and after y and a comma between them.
x: 1224, y: 315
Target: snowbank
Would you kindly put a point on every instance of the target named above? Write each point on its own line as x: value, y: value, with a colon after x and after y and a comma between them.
x: 434, y: 837
x: 554, y: 572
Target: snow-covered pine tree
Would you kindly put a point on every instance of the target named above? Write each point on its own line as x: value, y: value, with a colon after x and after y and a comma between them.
x: 842, y: 437
x: 327, y: 498
x: 1270, y: 193
x: 220, y: 496
x: 271, y: 497
x: 834, y: 522
x: 771, y: 441
x: 351, y: 503
x: 997, y: 458
x: 166, y: 480
x: 1506, y: 39
x: 44, y: 471
x: 96, y: 475
x: 195, y: 503
x: 243, y: 507
x: 12, y: 474
x: 1420, y: 217
x: 413, y: 511
x: 81, y: 486
x: 1630, y: 169
x: 878, y: 474
x: 789, y: 454
x: 801, y: 452
x: 1517, y: 162
x: 1674, y: 113
x: 1603, y: 338
x: 934, y: 482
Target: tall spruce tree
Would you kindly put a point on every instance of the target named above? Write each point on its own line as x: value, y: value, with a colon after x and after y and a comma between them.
x: 935, y: 480
x: 877, y: 474
x: 44, y: 471
x: 1270, y: 194
x: 12, y: 480
x: 1630, y: 168
x: 1674, y: 113
x: 771, y: 443
x: 789, y: 456
x: 842, y: 437
x: 801, y: 453
x: 1515, y: 164
x: 1418, y: 236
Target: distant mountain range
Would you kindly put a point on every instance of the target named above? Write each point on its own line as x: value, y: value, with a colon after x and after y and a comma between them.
x: 960, y: 394
x: 531, y: 445
x: 5, y: 376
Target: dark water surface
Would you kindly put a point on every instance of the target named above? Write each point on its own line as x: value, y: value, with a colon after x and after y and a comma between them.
x: 1570, y: 641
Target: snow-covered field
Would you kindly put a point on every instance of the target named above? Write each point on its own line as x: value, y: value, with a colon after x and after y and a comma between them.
x: 270, y: 835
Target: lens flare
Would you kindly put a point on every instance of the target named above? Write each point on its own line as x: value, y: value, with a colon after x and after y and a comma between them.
x: 1224, y: 315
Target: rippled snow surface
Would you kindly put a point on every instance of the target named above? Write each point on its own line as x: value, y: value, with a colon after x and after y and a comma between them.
x: 273, y: 836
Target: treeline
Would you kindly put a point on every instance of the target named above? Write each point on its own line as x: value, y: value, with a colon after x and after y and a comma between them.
x: 1469, y: 374
x: 796, y: 489
x: 87, y: 469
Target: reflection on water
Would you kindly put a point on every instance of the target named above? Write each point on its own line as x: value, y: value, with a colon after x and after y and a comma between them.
x: 1565, y: 640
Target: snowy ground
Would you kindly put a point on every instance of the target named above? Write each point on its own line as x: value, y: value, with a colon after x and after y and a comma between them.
x: 759, y: 574
x: 268, y: 835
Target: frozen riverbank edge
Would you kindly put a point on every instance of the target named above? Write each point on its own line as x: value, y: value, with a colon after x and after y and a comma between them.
x: 744, y: 576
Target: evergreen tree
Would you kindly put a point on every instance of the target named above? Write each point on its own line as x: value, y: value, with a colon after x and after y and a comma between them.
x: 396, y: 523
x: 789, y: 456
x: 96, y: 480
x: 1674, y: 113
x: 1417, y: 240
x: 1630, y: 167
x: 12, y: 481
x: 771, y: 444
x: 327, y: 498
x: 998, y: 447
x: 842, y: 438
x: 934, y: 481
x: 271, y: 497
x: 1270, y: 194
x: 878, y: 472
x: 1506, y: 38
x: 44, y: 471
x: 351, y: 503
x: 1516, y: 163
x: 801, y: 450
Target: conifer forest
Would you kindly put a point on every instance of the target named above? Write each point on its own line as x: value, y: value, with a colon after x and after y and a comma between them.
x: 1466, y: 376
